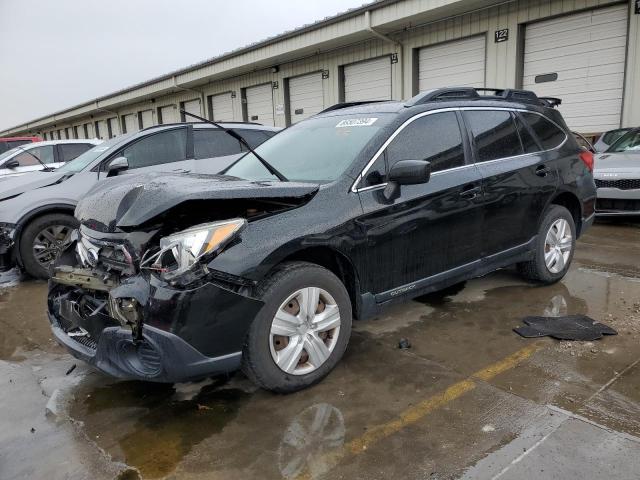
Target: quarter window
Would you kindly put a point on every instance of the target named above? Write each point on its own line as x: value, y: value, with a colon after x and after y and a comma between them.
x: 550, y: 135
x: 164, y: 147
x: 494, y: 134
x: 435, y: 138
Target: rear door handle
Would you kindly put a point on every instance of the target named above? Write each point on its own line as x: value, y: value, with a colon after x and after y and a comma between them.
x: 543, y: 171
x: 470, y: 192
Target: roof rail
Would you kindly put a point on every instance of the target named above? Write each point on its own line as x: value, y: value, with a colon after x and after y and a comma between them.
x: 339, y: 106
x: 470, y: 93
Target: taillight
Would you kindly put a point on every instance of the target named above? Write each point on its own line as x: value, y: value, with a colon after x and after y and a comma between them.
x: 587, y: 158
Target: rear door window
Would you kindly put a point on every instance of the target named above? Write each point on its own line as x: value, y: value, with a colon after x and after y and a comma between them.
x: 210, y: 143
x: 69, y: 151
x: 549, y: 135
x: 494, y: 134
x: 164, y: 147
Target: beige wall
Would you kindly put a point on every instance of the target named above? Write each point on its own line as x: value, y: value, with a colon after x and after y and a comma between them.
x: 502, y: 61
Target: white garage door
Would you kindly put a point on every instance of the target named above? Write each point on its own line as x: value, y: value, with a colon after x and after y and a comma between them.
x: 260, y: 104
x: 580, y: 59
x: 168, y: 115
x: 90, y: 131
x: 114, y: 127
x: 79, y: 131
x: 147, y: 118
x: 192, y: 106
x: 370, y: 80
x: 131, y: 123
x: 460, y: 63
x: 222, y: 106
x: 305, y: 96
x: 101, y: 129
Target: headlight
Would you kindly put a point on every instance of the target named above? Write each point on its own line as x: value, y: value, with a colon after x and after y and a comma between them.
x: 181, y: 251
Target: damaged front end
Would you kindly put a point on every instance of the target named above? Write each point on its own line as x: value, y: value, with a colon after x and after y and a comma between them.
x: 120, y: 302
x: 7, y: 232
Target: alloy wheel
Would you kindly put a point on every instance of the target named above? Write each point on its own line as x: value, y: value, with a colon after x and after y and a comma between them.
x: 304, y: 331
x: 50, y: 242
x: 558, y: 245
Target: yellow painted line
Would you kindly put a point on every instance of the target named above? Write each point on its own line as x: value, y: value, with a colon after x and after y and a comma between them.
x: 419, y: 411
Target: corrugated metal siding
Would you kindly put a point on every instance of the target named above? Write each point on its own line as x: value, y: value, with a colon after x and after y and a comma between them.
x: 459, y: 62
x: 587, y: 53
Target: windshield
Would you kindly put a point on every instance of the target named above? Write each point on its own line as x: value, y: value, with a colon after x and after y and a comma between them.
x: 629, y: 143
x: 316, y: 150
x: 83, y: 161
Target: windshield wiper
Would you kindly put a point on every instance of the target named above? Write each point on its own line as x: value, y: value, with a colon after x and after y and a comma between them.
x: 46, y: 169
x: 272, y: 170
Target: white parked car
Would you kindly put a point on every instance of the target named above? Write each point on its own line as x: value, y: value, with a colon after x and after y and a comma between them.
x: 42, y: 155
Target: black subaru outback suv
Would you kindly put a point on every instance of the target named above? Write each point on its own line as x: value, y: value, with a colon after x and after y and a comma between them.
x: 173, y: 277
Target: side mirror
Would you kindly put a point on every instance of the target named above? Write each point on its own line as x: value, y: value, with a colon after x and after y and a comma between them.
x: 406, y: 172
x: 117, y: 165
x: 13, y: 163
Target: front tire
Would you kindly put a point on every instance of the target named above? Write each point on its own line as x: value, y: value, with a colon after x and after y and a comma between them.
x: 43, y: 240
x: 302, y: 330
x: 554, y: 249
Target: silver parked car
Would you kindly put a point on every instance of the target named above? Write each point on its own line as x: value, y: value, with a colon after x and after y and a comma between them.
x: 609, y: 138
x: 36, y: 209
x: 617, y: 176
x: 42, y: 155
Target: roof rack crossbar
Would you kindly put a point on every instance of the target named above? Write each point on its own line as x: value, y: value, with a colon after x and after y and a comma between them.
x: 486, y: 93
x: 339, y: 106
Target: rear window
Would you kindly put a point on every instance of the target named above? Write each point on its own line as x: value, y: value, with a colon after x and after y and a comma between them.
x: 549, y: 135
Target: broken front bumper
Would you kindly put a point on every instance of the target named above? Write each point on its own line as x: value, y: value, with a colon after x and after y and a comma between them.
x: 6, y: 247
x: 184, y: 334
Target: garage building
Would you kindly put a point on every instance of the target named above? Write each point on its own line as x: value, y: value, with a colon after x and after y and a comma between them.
x: 586, y: 52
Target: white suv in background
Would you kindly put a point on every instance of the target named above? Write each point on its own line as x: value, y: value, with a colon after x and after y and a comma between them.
x: 42, y: 155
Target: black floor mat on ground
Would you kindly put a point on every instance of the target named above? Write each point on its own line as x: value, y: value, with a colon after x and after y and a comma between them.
x: 570, y: 327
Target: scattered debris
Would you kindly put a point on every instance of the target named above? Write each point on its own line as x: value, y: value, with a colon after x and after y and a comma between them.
x: 53, y: 404
x: 73, y: 367
x: 488, y: 428
x: 203, y: 407
x: 403, y: 344
x: 570, y: 327
x: 33, y: 430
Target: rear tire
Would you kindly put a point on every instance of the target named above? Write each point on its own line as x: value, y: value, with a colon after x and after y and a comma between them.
x: 554, y: 248
x: 280, y: 361
x: 49, y: 235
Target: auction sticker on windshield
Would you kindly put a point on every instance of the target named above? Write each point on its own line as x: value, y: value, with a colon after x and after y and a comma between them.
x: 356, y: 122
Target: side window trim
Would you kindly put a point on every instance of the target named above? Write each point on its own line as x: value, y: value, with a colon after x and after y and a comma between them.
x: 521, y: 123
x: 354, y: 186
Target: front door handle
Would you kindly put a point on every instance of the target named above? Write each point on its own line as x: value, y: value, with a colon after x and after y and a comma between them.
x: 470, y: 192
x: 543, y: 171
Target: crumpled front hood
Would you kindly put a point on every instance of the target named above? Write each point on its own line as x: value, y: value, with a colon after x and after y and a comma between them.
x: 16, y: 185
x: 128, y: 201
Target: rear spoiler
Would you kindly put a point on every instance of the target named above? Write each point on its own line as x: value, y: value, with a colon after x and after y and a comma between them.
x: 551, y: 101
